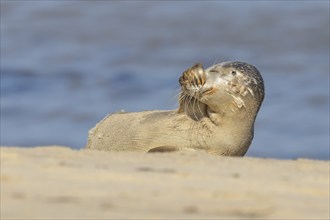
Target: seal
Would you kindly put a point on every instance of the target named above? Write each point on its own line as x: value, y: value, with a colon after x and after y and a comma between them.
x: 217, y: 111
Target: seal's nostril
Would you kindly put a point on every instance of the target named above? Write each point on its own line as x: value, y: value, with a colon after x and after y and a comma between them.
x: 200, y: 80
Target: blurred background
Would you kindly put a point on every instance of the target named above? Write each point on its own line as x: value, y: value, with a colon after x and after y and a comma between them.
x: 66, y: 64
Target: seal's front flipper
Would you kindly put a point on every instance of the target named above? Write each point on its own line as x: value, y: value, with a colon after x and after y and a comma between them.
x: 163, y: 149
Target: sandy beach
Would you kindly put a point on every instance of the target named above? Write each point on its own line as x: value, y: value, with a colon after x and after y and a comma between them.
x: 55, y: 182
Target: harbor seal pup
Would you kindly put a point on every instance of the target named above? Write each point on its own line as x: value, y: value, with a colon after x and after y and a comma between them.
x: 217, y: 110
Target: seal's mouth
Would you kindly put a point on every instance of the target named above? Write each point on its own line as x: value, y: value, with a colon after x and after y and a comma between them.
x: 208, y: 91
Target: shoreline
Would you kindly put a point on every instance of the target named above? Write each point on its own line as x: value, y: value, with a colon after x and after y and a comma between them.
x: 60, y: 182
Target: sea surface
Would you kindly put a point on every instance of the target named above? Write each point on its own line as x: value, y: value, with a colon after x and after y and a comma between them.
x: 66, y: 64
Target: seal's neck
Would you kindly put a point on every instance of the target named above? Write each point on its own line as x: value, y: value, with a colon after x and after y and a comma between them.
x: 230, y: 114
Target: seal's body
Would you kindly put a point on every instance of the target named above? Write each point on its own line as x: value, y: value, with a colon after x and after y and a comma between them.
x: 217, y: 110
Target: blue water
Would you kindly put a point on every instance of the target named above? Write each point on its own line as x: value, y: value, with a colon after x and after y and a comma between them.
x: 66, y: 64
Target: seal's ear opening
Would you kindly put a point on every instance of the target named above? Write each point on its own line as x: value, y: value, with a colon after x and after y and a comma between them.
x: 163, y: 149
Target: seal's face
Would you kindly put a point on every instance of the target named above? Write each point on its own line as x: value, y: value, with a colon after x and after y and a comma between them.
x: 223, y: 84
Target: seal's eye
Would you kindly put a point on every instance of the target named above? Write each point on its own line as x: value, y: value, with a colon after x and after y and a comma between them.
x: 233, y: 73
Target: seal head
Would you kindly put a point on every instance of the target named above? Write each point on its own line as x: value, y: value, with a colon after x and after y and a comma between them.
x: 229, y: 94
x: 223, y: 88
